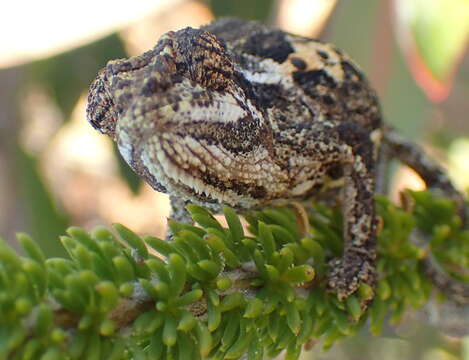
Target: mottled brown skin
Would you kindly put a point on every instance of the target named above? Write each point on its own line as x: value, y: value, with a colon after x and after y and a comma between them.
x: 243, y: 114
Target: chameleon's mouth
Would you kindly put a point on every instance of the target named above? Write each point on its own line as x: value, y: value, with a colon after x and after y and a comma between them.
x: 185, y: 179
x: 183, y: 182
x: 202, y: 172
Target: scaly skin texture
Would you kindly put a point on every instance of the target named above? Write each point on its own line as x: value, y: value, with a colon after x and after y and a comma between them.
x: 241, y: 114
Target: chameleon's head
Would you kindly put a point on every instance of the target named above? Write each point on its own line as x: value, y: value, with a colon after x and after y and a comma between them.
x: 185, y: 120
x: 191, y: 54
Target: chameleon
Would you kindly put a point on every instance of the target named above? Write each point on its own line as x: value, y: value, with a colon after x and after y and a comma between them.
x: 243, y: 114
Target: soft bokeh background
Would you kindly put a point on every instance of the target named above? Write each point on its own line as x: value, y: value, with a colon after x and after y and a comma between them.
x: 56, y: 171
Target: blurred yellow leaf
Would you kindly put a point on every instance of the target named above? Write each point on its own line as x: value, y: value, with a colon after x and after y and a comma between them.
x: 433, y: 35
x: 304, y: 17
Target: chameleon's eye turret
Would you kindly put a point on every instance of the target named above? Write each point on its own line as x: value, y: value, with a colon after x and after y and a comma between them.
x: 204, y: 57
x: 100, y: 111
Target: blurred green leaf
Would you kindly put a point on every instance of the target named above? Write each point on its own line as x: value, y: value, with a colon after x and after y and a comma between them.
x: 68, y: 75
x: 46, y: 221
x: 404, y: 105
x: 246, y: 9
x: 353, y: 28
x: 434, y: 35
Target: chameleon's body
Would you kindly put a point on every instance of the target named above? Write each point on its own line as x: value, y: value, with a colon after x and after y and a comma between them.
x: 243, y: 114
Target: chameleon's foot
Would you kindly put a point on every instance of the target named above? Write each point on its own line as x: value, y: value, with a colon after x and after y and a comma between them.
x: 346, y: 277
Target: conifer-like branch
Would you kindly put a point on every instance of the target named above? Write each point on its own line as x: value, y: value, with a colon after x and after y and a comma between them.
x: 218, y: 293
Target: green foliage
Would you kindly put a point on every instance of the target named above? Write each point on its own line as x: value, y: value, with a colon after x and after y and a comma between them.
x: 45, y: 220
x: 246, y: 9
x: 213, y: 292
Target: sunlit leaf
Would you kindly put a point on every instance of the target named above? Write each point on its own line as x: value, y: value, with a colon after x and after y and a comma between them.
x: 433, y: 35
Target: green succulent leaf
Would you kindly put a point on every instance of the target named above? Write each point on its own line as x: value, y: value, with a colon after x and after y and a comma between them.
x: 133, y: 240
x: 212, y: 292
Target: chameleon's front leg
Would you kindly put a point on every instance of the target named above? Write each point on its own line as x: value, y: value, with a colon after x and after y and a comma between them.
x: 348, y: 146
x: 178, y: 210
x: 357, y: 265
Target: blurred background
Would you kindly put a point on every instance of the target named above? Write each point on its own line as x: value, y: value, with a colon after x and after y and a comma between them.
x: 55, y: 170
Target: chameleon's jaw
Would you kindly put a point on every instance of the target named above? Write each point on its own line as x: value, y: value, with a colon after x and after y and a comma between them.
x: 157, y: 162
x: 200, y: 167
x: 180, y: 181
x: 182, y: 173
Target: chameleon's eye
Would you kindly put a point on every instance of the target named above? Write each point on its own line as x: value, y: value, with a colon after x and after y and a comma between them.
x: 100, y: 110
x: 204, y: 57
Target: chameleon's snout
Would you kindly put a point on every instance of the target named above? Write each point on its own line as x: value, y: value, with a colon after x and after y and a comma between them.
x: 100, y: 109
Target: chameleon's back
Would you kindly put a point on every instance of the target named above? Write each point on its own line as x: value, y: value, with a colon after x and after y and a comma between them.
x: 296, y: 78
